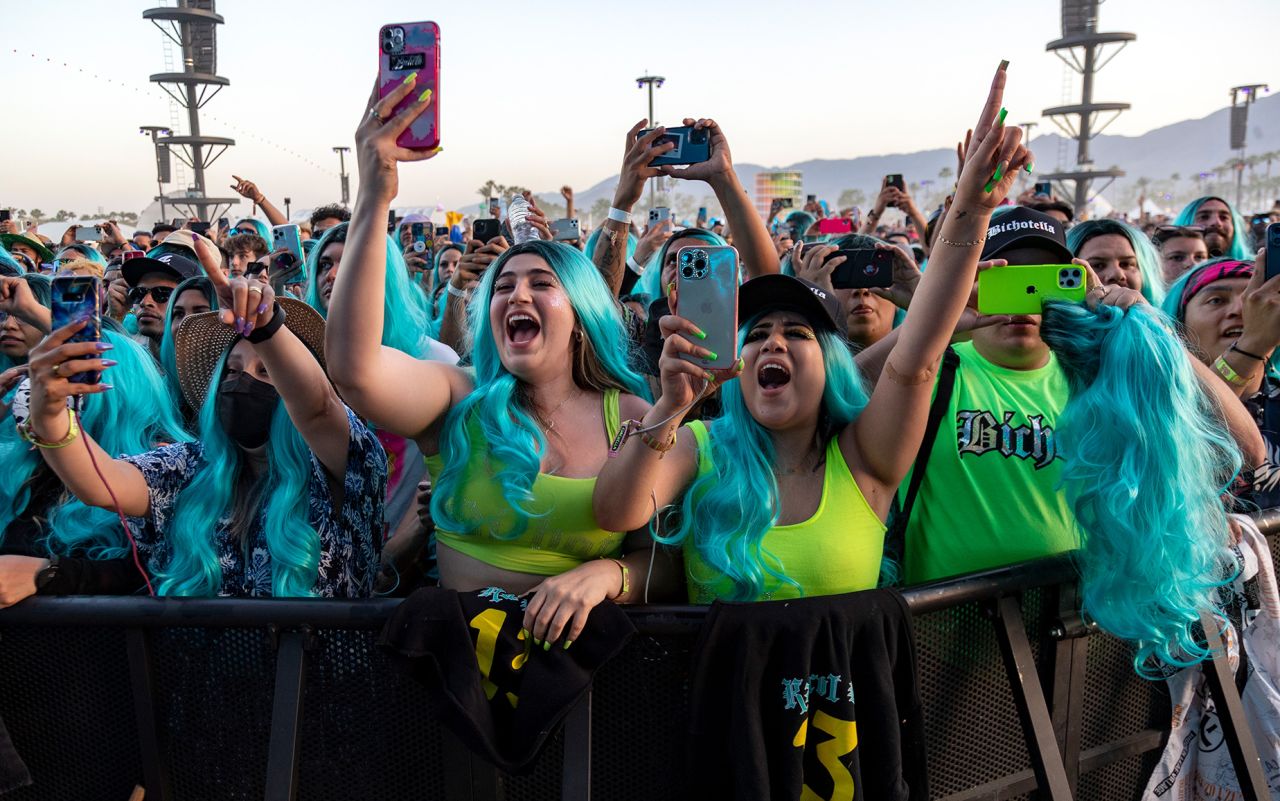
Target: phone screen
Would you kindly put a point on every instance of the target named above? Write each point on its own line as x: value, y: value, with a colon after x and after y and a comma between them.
x: 5, y: 215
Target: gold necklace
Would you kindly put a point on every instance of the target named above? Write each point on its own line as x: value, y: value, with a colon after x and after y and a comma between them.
x: 548, y: 424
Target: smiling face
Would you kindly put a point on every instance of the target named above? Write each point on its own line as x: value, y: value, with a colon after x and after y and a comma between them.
x: 1213, y: 318
x: 327, y: 266
x: 1219, y: 231
x: 1111, y: 256
x: 784, y: 375
x: 532, y: 319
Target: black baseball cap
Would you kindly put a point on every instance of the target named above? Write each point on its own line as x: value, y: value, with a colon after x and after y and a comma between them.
x: 777, y: 291
x: 177, y: 267
x: 1021, y: 227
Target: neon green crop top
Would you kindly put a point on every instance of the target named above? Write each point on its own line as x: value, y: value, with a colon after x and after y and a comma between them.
x: 837, y: 550
x: 566, y: 536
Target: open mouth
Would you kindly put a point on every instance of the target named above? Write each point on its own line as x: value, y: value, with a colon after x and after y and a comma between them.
x: 772, y: 375
x: 1233, y: 332
x: 522, y: 329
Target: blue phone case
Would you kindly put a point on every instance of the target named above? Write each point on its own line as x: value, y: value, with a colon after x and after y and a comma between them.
x: 692, y: 146
x: 75, y: 298
x: 707, y: 279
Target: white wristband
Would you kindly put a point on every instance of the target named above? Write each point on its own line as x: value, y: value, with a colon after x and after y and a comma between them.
x: 457, y: 293
x: 618, y: 215
x: 636, y: 268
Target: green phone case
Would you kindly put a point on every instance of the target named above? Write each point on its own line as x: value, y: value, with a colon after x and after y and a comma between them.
x: 1022, y: 289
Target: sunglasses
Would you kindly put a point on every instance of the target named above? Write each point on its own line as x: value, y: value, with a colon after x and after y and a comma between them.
x: 1164, y: 232
x: 160, y: 294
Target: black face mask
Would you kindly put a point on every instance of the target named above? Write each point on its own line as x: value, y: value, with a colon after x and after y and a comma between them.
x: 245, y: 406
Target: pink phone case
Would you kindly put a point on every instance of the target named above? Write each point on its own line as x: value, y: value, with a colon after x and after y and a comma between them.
x: 405, y: 48
x: 707, y: 279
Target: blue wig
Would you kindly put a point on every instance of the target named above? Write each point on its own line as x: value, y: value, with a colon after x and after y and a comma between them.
x: 12, y: 266
x: 262, y: 228
x: 728, y: 511
x: 1146, y: 458
x: 1241, y: 246
x: 498, y: 405
x: 130, y: 419
x: 1143, y: 250
x: 168, y: 352
x: 650, y: 283
x: 41, y: 288
x: 292, y: 542
x: 800, y: 222
x: 406, y: 316
x: 81, y: 251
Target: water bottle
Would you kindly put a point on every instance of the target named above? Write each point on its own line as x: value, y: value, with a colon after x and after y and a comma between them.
x: 518, y: 219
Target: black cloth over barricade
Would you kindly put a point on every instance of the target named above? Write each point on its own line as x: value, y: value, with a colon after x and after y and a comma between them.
x: 13, y: 773
x: 810, y: 698
x: 502, y: 695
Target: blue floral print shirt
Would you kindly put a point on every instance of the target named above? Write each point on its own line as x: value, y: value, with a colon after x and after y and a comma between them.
x: 350, y: 537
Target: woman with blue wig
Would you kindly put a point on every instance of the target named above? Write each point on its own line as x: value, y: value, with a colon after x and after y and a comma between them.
x: 282, y: 495
x: 786, y: 493
x: 516, y: 444
x: 1225, y: 232
x: 1120, y: 255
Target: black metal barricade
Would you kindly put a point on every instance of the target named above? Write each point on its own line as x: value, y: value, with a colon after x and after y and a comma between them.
x: 282, y: 699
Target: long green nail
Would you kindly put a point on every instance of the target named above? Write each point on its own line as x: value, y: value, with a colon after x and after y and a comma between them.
x: 701, y: 334
x: 711, y: 356
x: 995, y: 179
x: 1003, y: 113
x: 411, y: 77
x: 1030, y: 167
x: 422, y: 98
x: 567, y: 643
x: 536, y: 641
x: 1004, y: 65
x: 742, y: 364
x: 546, y: 646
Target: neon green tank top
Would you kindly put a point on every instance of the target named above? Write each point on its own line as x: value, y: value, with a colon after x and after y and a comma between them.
x: 990, y: 493
x: 837, y: 550
x: 564, y: 536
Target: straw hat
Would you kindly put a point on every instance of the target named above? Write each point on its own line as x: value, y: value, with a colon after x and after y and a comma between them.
x: 30, y: 240
x: 202, y: 339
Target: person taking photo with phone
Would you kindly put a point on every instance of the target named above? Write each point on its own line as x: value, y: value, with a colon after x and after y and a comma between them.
x: 514, y: 446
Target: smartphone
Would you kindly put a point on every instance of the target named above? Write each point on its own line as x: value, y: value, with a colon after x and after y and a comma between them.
x: 702, y: 216
x: 224, y: 223
x: 707, y: 279
x: 835, y: 225
x: 5, y: 215
x: 442, y: 230
x: 691, y: 146
x: 288, y: 238
x: 125, y: 255
x: 403, y: 49
x: 863, y: 268
x: 75, y: 298
x: 88, y: 233
x: 1023, y: 289
x: 418, y: 232
x: 391, y: 221
x: 1044, y: 188
x: 486, y: 229
x: 178, y: 222
x: 658, y: 214
x: 787, y: 202
x: 495, y: 208
x: 895, y: 180
x: 1273, y: 250
x: 565, y: 230
x: 201, y: 228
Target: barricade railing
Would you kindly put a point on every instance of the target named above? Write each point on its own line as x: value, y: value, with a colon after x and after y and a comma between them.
x: 282, y: 699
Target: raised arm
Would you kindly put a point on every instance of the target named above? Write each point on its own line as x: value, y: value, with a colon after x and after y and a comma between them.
x: 750, y: 234
x: 50, y: 364
x: 377, y: 381
x: 883, y: 441
x: 17, y: 299
x: 610, y: 255
x: 248, y: 189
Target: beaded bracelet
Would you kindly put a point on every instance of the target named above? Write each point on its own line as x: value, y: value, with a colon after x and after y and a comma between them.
x: 973, y: 243
x: 657, y: 445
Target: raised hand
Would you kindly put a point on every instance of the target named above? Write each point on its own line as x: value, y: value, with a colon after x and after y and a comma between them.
x: 247, y: 189
x: 994, y: 156
x: 244, y: 303
x: 636, y: 158
x: 51, y: 364
x: 683, y: 381
x: 475, y: 261
x: 376, y: 150
x: 718, y: 165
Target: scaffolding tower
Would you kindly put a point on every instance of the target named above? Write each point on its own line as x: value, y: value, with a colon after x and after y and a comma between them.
x: 191, y: 26
x: 1082, y: 49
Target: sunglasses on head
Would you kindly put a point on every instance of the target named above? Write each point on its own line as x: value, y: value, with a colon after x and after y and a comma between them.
x: 1164, y: 232
x: 160, y: 294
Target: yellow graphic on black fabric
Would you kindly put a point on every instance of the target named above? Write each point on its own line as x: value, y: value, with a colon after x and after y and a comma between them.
x: 488, y: 624
x: 844, y: 738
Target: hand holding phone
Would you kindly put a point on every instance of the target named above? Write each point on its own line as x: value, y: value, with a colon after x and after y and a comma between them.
x: 486, y: 229
x: 1273, y: 250
x: 75, y: 298
x: 418, y: 237
x: 862, y: 268
x: 412, y: 48
x: 707, y: 296
x: 287, y: 255
x: 88, y: 233
x: 1022, y: 289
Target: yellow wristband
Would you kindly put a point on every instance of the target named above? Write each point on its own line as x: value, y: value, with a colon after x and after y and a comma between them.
x: 626, y: 578
x: 73, y: 431
x: 1229, y: 373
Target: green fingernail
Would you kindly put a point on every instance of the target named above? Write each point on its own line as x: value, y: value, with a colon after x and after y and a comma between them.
x: 422, y: 98
x: 411, y: 77
x: 711, y: 356
x: 524, y: 634
x: 1030, y: 167
x: 567, y: 643
x: 1004, y: 112
x: 546, y: 646
x: 742, y: 364
x: 536, y: 641
x: 702, y: 334
x: 999, y: 172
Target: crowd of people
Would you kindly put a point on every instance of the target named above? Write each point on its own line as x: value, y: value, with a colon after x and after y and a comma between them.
x: 533, y: 413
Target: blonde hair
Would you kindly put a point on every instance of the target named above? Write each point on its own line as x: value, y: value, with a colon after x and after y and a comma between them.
x: 81, y: 267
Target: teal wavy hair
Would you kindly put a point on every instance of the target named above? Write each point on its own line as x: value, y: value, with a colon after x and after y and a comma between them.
x: 727, y: 511
x: 499, y: 407
x: 7, y: 260
x: 1241, y: 247
x: 650, y: 283
x: 130, y: 419
x: 292, y: 542
x: 437, y: 306
x: 1173, y: 298
x: 168, y: 353
x: 1143, y: 250
x: 1146, y: 457
x: 41, y: 288
x: 81, y: 252
x: 800, y: 222
x: 406, y: 320
x: 262, y: 228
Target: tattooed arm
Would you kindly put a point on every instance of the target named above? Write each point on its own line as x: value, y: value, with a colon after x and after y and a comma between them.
x: 610, y: 255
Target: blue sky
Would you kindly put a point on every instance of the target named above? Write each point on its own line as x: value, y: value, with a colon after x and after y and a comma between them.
x: 541, y: 94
